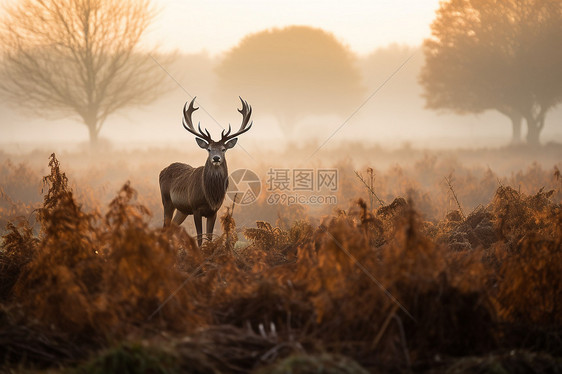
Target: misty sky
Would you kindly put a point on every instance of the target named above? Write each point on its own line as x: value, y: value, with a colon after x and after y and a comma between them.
x: 364, y: 25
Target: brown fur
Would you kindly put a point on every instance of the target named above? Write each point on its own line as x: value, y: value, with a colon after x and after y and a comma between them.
x: 200, y: 191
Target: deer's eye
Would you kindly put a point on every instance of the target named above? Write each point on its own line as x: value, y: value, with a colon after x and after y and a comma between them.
x: 208, y: 150
x: 224, y: 150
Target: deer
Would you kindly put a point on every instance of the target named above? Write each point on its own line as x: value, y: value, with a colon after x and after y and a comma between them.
x: 200, y: 191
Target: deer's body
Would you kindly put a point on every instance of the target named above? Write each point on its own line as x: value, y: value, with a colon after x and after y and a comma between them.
x: 199, y: 191
x: 189, y: 190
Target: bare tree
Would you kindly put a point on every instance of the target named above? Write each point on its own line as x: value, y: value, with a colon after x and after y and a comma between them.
x: 77, y: 58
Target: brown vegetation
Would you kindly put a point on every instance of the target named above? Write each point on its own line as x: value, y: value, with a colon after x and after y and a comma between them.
x: 362, y: 291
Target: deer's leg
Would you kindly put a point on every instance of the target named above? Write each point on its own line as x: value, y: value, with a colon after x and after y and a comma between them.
x: 179, y: 217
x: 168, y: 211
x: 210, y: 226
x: 198, y: 219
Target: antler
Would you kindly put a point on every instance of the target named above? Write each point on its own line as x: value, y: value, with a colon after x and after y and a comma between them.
x: 188, y: 124
x: 246, y: 112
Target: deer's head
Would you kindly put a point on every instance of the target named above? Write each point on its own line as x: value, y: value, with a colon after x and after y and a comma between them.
x: 216, y: 149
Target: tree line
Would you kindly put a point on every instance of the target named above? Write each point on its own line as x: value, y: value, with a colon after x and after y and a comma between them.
x: 85, y: 59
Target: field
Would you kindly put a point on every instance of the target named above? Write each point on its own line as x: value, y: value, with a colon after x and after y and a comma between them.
x: 449, y: 263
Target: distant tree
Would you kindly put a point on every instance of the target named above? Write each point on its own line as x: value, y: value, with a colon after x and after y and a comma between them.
x: 292, y: 72
x: 80, y: 58
x: 501, y: 55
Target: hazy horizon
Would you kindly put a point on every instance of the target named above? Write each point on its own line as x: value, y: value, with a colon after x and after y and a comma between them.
x: 394, y: 116
x: 381, y: 35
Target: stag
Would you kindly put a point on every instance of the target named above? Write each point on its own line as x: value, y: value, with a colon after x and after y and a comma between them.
x: 200, y: 191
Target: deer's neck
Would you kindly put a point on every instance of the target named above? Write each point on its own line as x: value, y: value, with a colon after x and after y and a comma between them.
x: 215, y: 183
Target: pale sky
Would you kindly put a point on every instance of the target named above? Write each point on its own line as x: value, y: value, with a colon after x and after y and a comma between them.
x: 215, y: 26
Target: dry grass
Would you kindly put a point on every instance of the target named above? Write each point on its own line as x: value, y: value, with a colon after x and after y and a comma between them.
x: 362, y: 291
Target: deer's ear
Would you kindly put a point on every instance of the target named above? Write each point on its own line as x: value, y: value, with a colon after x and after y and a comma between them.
x: 231, y: 143
x: 203, y: 144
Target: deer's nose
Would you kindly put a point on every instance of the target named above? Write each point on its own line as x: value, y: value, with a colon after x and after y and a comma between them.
x: 216, y: 159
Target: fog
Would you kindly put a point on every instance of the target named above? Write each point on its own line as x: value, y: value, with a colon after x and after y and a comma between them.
x: 394, y: 116
x: 395, y: 189
x: 310, y: 77
x: 316, y: 104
